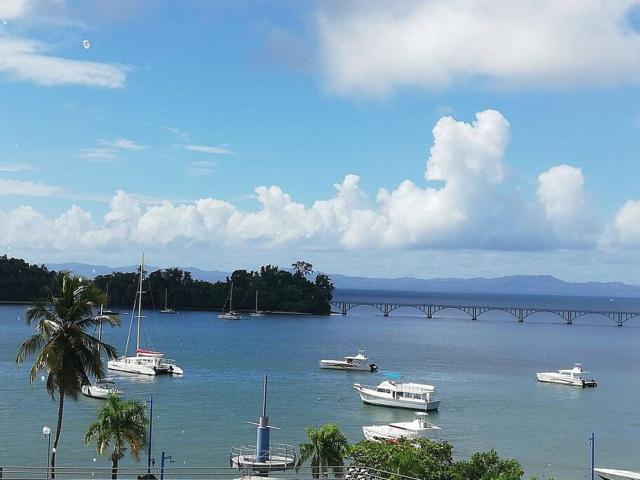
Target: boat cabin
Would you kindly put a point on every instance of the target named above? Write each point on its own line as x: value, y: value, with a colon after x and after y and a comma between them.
x: 415, y: 391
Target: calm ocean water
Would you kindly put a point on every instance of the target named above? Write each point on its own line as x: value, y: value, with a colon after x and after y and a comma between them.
x: 484, y: 372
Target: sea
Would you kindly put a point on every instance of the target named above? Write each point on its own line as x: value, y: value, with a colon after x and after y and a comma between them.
x: 483, y: 370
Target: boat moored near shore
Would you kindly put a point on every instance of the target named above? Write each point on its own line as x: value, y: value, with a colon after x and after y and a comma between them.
x: 417, y: 428
x: 102, y: 389
x: 414, y: 396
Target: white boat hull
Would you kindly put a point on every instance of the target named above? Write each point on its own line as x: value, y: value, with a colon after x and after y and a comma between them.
x: 95, y: 391
x: 552, y: 377
x: 131, y: 365
x: 228, y: 316
x: 376, y: 433
x: 371, y: 397
x: 342, y: 365
x: 611, y: 474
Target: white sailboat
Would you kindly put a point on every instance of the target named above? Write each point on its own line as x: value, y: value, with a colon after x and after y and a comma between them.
x: 106, y: 386
x: 145, y: 362
x: 230, y: 314
x: 166, y: 309
x: 257, y: 313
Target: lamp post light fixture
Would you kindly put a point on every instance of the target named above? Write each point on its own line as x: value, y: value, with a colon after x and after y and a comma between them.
x: 46, y: 432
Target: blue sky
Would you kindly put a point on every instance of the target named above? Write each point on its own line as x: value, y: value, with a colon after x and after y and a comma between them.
x: 156, y: 137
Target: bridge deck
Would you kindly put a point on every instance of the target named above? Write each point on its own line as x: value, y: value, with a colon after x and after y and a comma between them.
x: 474, y: 311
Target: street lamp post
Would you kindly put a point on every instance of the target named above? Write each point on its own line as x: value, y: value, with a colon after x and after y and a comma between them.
x: 46, y: 432
x: 150, y: 403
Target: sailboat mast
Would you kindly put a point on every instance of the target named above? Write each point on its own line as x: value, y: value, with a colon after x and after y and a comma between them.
x: 139, y: 303
x: 165, y: 298
x: 231, y: 298
x: 256, y: 300
x: 100, y: 325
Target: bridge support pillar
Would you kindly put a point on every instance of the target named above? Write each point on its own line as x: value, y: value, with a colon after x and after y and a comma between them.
x: 344, y: 309
x: 386, y: 311
x: 569, y: 318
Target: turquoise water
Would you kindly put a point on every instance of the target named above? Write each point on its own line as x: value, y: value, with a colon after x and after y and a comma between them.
x: 484, y: 372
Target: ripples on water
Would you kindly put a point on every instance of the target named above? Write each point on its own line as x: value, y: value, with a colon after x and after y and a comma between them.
x: 484, y: 372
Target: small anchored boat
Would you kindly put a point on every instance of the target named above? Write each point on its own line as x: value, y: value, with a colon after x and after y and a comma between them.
x: 102, y: 389
x: 573, y: 377
x: 356, y: 362
x: 229, y: 314
x: 417, y: 428
x: 166, y: 308
x: 390, y: 393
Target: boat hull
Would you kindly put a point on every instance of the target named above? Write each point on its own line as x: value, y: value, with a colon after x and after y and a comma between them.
x: 376, y: 433
x: 93, y: 391
x: 611, y: 474
x: 370, y: 397
x: 552, y: 377
x: 340, y: 365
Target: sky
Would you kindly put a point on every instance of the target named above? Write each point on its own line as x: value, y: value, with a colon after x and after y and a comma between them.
x: 424, y: 138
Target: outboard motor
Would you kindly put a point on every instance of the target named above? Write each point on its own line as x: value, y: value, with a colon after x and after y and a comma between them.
x: 373, y: 367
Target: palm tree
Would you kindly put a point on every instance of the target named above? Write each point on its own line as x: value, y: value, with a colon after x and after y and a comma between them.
x: 119, y: 423
x: 326, y: 448
x: 61, y: 345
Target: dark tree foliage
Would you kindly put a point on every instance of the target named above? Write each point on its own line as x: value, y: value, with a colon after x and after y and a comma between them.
x: 22, y: 282
x: 279, y: 290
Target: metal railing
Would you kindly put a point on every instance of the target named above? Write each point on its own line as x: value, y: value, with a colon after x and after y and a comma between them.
x: 185, y: 473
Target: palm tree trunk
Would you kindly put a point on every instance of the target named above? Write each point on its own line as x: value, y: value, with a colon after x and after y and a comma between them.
x: 114, y: 468
x: 58, y: 430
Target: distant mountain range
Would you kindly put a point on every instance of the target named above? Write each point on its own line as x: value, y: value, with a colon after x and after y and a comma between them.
x: 518, y: 284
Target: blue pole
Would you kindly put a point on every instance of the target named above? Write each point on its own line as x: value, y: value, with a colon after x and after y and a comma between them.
x: 150, y: 402
x: 593, y: 452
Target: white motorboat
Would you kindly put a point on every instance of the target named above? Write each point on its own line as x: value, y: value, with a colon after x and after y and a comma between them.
x: 612, y: 474
x: 573, y: 377
x: 102, y: 389
x: 145, y: 362
x: 417, y: 428
x: 256, y: 312
x: 414, y: 396
x: 229, y: 314
x: 166, y: 308
x: 352, y: 363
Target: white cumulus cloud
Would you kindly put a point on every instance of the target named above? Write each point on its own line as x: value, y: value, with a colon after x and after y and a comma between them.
x: 467, y: 200
x: 374, y: 47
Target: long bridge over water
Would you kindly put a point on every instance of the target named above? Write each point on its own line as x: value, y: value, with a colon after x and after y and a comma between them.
x: 474, y: 311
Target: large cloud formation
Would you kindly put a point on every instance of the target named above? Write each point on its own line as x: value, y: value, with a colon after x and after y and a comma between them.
x: 374, y: 47
x: 469, y: 201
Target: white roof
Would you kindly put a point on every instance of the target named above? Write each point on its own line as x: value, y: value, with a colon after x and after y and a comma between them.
x: 359, y: 356
x: 611, y: 474
x: 407, y: 387
x: 576, y: 369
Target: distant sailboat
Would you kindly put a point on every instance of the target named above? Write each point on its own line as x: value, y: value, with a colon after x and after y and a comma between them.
x: 166, y: 309
x: 106, y: 310
x: 103, y: 387
x: 257, y: 313
x: 229, y: 314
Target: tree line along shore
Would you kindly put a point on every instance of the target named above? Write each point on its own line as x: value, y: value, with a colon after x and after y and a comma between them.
x: 278, y: 290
